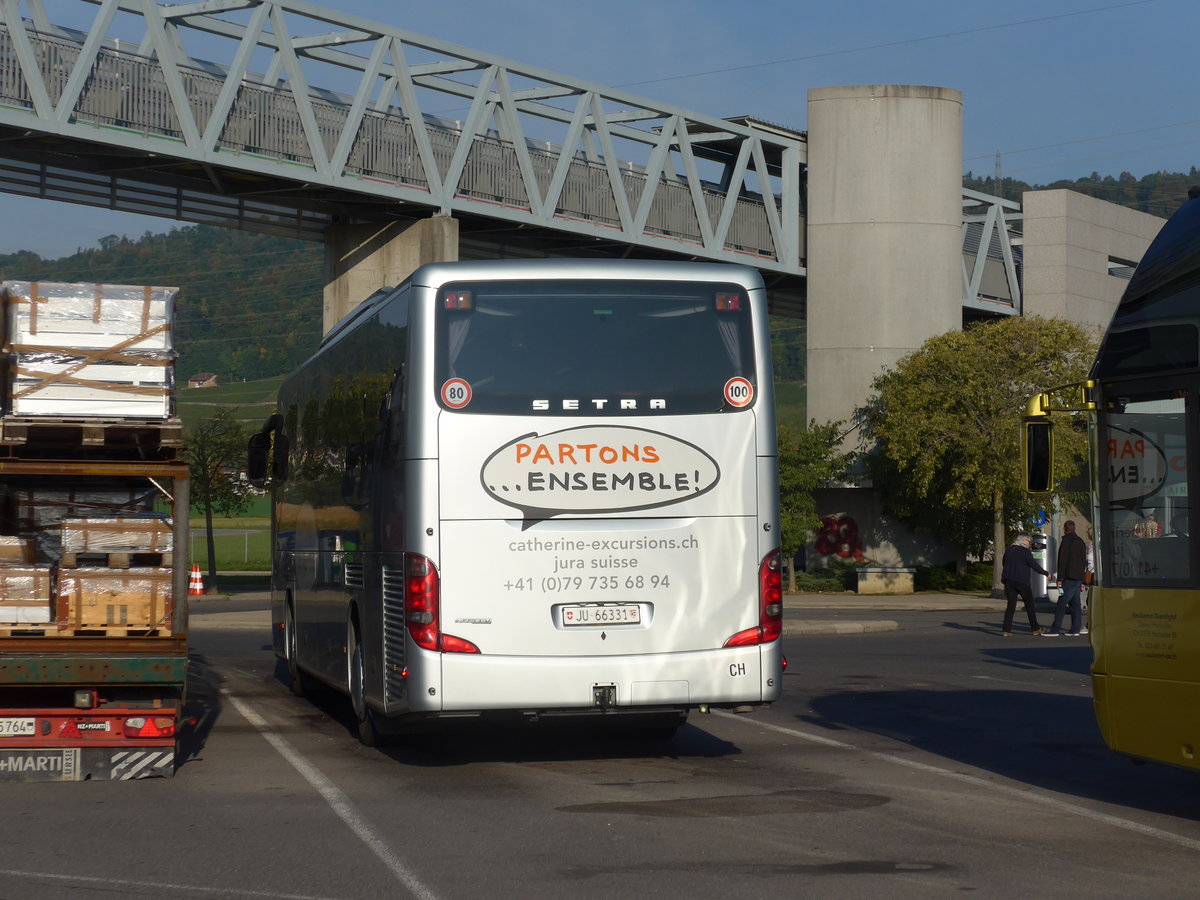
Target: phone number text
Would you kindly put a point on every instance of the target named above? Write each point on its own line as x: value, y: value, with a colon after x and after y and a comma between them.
x: 561, y: 584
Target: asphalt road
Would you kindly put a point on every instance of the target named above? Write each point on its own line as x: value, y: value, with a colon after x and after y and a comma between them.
x: 932, y: 760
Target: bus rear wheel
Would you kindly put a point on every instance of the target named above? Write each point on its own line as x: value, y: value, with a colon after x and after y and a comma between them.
x: 301, y: 684
x: 364, y: 718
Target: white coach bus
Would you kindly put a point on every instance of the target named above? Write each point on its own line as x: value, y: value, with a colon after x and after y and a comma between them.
x: 538, y: 488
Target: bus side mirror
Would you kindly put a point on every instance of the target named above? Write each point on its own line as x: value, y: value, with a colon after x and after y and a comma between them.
x: 258, y: 454
x: 1037, y: 452
x: 257, y: 450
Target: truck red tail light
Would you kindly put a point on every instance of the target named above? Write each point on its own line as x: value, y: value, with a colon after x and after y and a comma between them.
x: 770, y: 605
x: 422, y: 602
x: 149, y: 726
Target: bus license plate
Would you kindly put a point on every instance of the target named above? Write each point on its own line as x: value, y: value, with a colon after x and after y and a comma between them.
x: 17, y: 727
x: 603, y: 614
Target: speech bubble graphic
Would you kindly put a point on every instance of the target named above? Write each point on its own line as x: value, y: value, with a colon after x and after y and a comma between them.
x: 596, y: 469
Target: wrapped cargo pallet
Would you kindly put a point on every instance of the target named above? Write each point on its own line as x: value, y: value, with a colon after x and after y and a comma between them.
x: 89, y: 349
x: 150, y: 534
x: 96, y: 598
x: 25, y: 595
x: 39, y: 511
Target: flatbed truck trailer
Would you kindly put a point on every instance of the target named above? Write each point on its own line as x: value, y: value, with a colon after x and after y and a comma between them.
x: 96, y: 692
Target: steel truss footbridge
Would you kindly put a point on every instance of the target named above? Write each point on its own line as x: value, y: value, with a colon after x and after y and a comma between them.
x: 283, y: 117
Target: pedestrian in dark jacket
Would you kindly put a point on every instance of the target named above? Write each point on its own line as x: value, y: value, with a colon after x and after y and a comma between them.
x: 1019, y: 566
x: 1072, y: 563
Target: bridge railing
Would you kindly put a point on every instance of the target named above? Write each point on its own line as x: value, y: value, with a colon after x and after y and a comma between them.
x: 126, y: 90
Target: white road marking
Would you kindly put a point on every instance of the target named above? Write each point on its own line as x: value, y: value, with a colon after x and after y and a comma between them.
x: 161, y: 888
x: 337, y: 800
x: 1024, y: 794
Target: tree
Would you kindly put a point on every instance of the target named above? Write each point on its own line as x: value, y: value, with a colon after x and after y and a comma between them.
x: 215, y: 449
x: 807, y: 460
x: 945, y: 425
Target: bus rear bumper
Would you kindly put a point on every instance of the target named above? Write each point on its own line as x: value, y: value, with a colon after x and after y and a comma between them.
x: 725, y: 677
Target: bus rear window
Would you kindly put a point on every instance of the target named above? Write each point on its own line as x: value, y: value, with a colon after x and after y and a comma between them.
x: 595, y: 347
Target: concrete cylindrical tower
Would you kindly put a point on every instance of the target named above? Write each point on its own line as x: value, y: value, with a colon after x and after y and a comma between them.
x: 884, y: 233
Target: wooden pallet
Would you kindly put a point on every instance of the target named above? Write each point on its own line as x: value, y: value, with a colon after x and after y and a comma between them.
x: 54, y: 629
x: 29, y: 630
x: 84, y: 431
x: 116, y: 560
x: 113, y: 631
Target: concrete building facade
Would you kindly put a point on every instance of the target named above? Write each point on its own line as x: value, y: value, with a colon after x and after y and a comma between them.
x: 1079, y: 253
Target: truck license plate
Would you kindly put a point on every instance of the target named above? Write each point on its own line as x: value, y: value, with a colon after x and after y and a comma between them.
x: 602, y: 614
x: 17, y: 727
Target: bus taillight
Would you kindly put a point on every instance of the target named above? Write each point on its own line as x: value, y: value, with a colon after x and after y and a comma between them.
x: 770, y: 595
x: 770, y: 605
x: 422, y: 601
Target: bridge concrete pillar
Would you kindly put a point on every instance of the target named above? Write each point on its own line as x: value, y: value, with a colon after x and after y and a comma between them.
x: 884, y: 233
x: 361, y: 259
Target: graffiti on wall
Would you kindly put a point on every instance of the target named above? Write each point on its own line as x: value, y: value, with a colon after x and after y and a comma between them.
x: 838, y: 536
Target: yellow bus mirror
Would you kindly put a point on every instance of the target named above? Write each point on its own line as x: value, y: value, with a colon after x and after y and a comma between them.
x: 1037, y: 450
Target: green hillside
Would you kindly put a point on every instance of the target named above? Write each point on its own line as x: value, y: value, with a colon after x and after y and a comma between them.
x: 249, y: 305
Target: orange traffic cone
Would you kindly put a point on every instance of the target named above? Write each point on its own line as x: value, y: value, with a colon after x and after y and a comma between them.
x: 196, y: 585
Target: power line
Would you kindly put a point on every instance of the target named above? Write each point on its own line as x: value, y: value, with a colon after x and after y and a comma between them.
x: 1104, y: 156
x: 886, y: 44
x: 1099, y: 137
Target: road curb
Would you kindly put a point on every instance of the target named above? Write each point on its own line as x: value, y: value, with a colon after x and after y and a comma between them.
x: 792, y: 629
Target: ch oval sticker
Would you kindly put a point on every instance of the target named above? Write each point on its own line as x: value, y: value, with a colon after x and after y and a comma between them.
x: 456, y: 393
x: 739, y: 392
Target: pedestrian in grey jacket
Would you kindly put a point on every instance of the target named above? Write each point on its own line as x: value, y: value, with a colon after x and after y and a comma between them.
x: 1072, y: 563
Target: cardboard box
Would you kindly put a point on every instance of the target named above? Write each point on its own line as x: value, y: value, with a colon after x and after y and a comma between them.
x: 25, y: 595
x: 138, y: 598
x: 123, y: 534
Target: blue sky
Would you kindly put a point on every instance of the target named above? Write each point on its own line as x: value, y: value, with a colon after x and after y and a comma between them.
x: 1060, y: 88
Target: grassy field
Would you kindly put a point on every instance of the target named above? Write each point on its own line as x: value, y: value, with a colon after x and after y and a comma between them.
x: 241, y: 543
x: 252, y: 401
x: 245, y: 550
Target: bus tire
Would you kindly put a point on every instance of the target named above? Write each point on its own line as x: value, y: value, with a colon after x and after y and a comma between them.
x: 364, y: 718
x: 302, y: 686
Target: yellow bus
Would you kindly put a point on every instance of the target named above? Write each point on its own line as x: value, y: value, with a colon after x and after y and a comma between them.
x: 1144, y: 422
